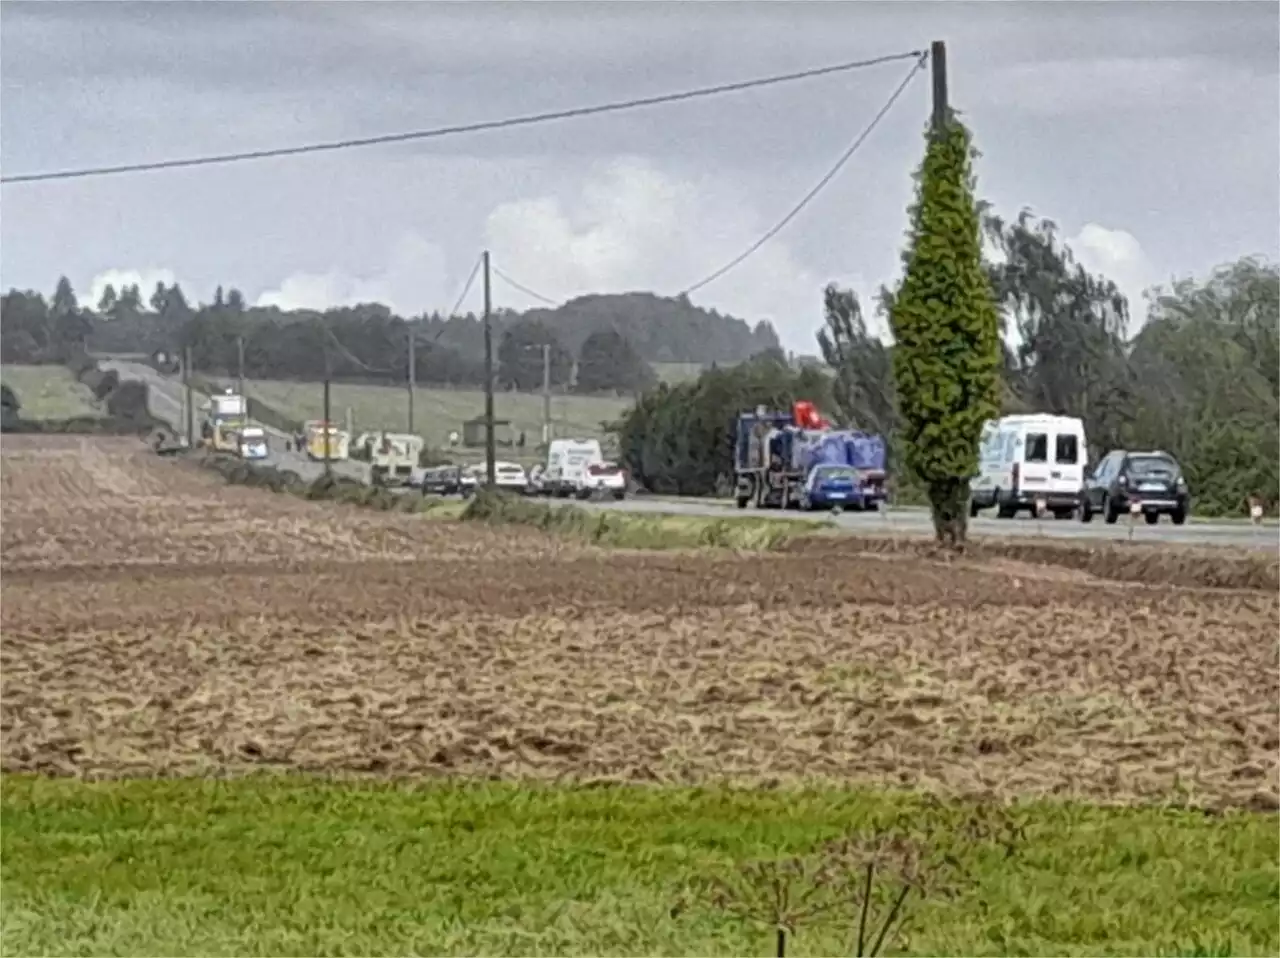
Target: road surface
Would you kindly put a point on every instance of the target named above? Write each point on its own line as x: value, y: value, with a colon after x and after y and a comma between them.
x: 165, y: 399
x: 166, y: 405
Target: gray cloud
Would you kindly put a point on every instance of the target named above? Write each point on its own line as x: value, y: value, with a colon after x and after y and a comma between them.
x: 1156, y: 119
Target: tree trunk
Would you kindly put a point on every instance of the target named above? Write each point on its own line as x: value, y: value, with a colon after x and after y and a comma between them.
x: 949, y: 505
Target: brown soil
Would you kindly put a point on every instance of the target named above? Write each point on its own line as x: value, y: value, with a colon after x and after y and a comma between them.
x: 156, y: 620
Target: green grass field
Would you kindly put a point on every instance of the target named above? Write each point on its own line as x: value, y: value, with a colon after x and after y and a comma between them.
x: 49, y: 392
x: 437, y: 412
x: 291, y: 866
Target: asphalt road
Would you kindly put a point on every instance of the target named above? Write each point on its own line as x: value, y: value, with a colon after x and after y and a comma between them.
x: 166, y: 405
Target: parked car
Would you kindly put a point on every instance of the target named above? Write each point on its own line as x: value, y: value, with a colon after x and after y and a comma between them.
x: 1151, y: 481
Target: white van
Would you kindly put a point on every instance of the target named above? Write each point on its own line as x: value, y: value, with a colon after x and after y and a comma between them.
x: 1034, y: 463
x: 568, y: 462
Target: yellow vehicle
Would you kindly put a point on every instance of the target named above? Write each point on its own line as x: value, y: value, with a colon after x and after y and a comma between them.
x: 226, y: 435
x: 338, y: 439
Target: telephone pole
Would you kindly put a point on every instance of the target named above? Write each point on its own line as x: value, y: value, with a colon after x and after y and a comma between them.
x: 325, y: 426
x: 240, y: 359
x: 490, y: 445
x: 938, y: 68
x: 189, y: 413
x: 546, y: 393
x: 413, y: 376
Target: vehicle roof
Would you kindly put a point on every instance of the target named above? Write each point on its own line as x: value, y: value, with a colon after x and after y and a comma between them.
x: 1037, y: 419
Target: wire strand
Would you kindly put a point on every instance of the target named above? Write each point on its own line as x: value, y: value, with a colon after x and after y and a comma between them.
x: 475, y: 271
x: 520, y: 286
x: 809, y: 197
x: 437, y: 132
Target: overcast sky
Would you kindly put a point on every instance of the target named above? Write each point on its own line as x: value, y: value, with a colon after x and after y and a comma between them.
x: 1149, y: 131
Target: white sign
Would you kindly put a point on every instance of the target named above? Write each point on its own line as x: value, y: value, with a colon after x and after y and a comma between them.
x: 1135, y: 508
x: 1255, y: 513
x: 1041, y: 505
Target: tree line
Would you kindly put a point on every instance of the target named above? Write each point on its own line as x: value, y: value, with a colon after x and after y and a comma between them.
x: 594, y: 343
x: 1026, y: 329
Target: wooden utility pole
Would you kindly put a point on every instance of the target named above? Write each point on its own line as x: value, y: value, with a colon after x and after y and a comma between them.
x: 490, y: 444
x: 938, y: 67
x: 190, y: 411
x: 328, y: 462
x: 240, y: 360
x: 413, y: 376
x: 546, y: 393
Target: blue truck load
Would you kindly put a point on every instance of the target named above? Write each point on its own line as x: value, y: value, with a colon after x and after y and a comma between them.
x: 795, y: 460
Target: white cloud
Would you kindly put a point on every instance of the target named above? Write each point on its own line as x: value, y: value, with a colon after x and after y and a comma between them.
x: 414, y: 281
x: 1117, y: 255
x: 633, y: 226
x: 145, y: 279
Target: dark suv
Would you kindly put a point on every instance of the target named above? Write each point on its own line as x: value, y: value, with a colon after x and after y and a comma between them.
x: 1152, y: 481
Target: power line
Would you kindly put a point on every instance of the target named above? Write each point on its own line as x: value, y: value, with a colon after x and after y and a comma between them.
x: 477, y: 127
x: 922, y: 59
x: 475, y: 271
x: 520, y: 286
x: 350, y: 356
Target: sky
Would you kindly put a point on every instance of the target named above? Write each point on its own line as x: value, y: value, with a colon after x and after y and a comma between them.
x: 1149, y: 132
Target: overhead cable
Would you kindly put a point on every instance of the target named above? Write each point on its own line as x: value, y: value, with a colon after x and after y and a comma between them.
x: 520, y: 286
x: 215, y: 159
x: 809, y: 197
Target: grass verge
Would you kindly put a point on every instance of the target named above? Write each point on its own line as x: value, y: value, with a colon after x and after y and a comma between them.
x: 631, y: 531
x: 271, y: 866
x: 334, y: 489
x: 1218, y: 568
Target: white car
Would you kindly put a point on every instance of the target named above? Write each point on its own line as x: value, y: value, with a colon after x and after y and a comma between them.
x: 603, y: 479
x: 507, y: 477
x: 510, y: 477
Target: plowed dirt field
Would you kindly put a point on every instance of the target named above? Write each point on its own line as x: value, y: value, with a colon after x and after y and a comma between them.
x: 156, y: 620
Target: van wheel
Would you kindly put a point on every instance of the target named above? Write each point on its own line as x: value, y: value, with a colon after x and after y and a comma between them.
x: 973, y: 508
x: 1004, y: 510
x: 1086, y: 511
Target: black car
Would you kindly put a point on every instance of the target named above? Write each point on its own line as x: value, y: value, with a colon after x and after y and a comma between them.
x: 444, y: 481
x: 1152, y: 481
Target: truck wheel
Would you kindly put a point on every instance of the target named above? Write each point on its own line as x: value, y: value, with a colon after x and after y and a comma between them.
x: 1086, y: 511
x: 743, y: 501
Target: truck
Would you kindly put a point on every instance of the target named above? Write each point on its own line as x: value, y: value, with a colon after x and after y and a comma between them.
x: 796, y: 459
x: 392, y: 457
x: 223, y: 414
x: 317, y: 433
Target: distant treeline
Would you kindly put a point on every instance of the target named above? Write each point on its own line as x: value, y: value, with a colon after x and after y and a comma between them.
x: 594, y: 343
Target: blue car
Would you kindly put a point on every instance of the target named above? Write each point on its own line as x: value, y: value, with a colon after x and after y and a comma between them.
x: 836, y: 487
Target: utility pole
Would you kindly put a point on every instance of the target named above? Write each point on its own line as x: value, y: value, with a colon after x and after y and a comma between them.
x: 413, y: 376
x: 938, y: 67
x: 490, y: 445
x: 240, y: 359
x: 325, y: 427
x: 190, y: 411
x: 546, y: 393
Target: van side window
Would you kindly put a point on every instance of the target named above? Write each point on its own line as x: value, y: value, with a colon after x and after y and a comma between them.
x: 1037, y: 448
x: 1066, y: 449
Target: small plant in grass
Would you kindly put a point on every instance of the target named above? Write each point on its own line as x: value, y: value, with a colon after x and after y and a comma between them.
x: 864, y: 884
